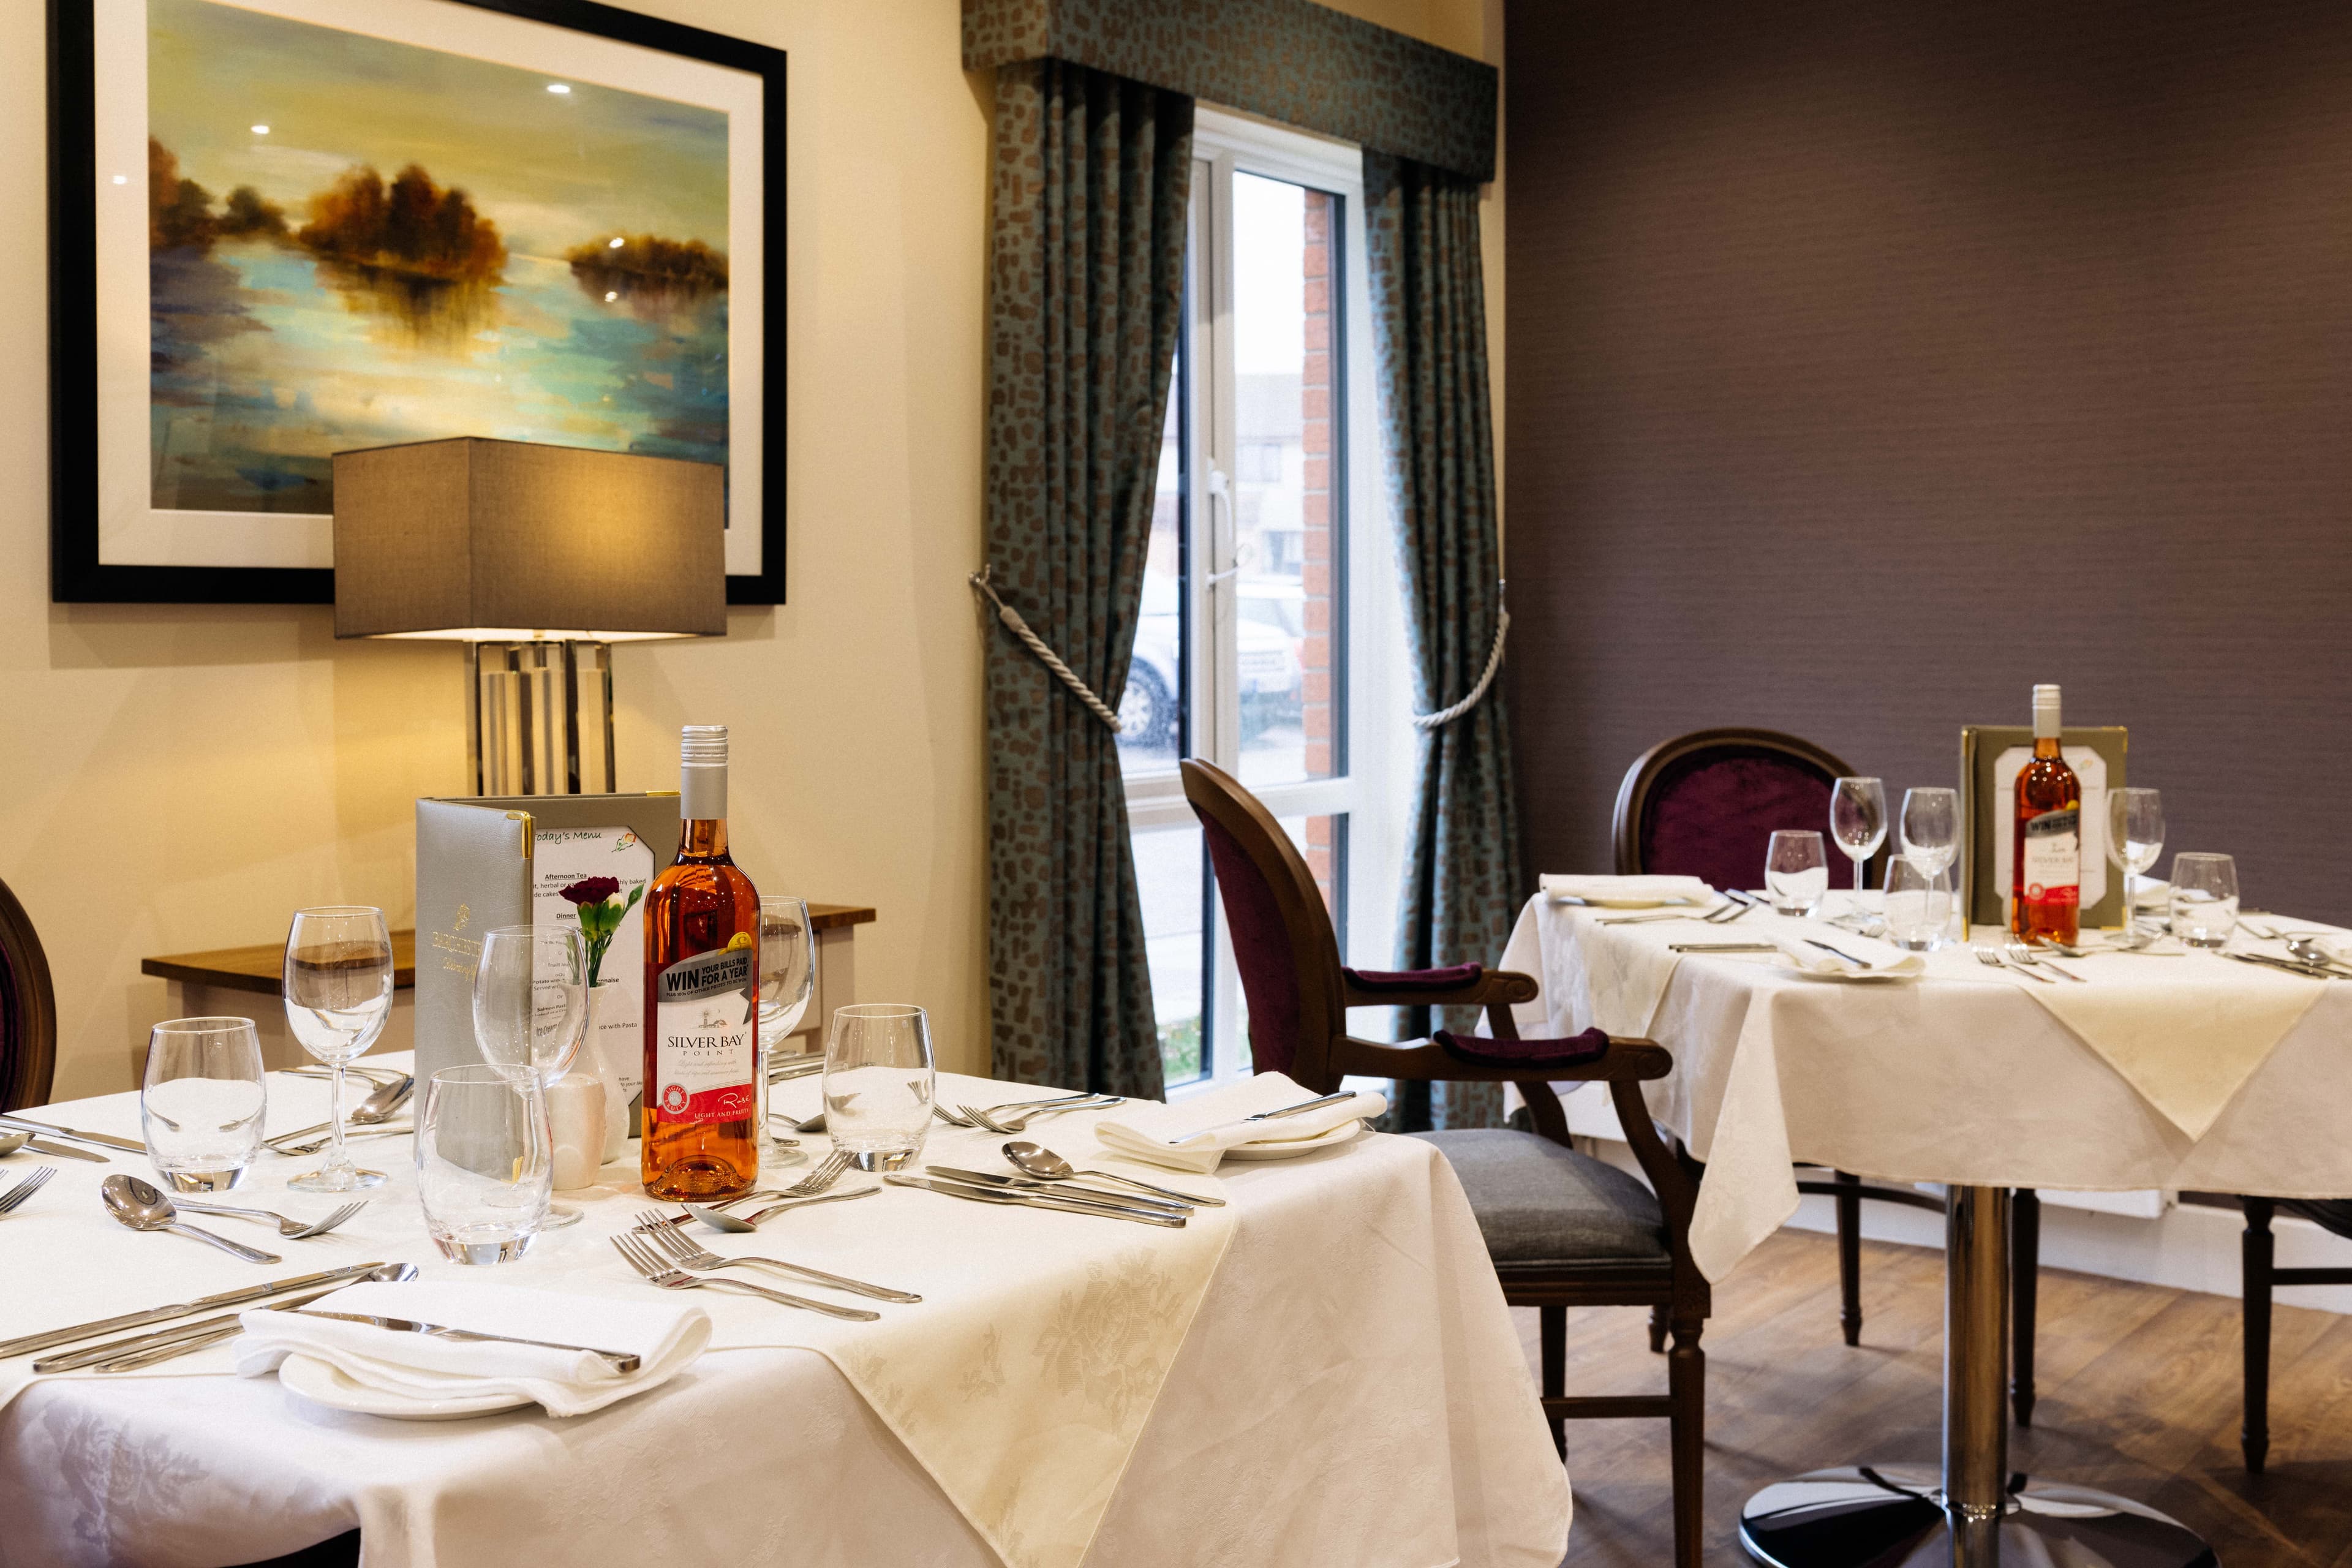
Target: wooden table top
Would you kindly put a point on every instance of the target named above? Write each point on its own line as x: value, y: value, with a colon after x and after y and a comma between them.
x: 259, y: 968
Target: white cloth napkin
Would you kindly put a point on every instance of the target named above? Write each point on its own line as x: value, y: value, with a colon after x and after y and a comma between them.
x: 1882, y: 958
x: 663, y: 1336
x: 1666, y: 890
x: 1207, y: 1125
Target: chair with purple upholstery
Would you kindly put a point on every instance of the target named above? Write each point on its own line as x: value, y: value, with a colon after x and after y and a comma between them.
x: 1706, y: 805
x: 1563, y: 1229
x: 29, y: 1010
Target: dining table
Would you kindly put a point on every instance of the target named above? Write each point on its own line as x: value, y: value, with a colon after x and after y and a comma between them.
x: 1981, y: 1072
x: 1322, y: 1370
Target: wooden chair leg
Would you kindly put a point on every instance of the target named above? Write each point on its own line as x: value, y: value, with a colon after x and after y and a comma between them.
x: 1849, y: 1239
x: 1686, y: 1386
x: 2024, y: 1280
x: 2256, y: 1251
x: 1658, y: 1330
x: 1553, y: 1327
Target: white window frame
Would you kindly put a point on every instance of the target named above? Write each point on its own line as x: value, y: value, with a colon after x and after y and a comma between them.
x: 1371, y: 793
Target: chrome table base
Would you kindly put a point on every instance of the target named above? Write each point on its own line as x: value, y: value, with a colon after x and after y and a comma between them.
x: 1980, y: 1516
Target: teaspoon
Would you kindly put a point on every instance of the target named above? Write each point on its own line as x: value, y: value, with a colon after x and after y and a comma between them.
x: 1035, y: 1160
x: 729, y: 1222
x: 377, y: 1106
x: 145, y: 1207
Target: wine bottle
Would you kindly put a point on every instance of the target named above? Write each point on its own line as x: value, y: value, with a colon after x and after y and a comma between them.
x: 2045, y: 875
x: 702, y: 969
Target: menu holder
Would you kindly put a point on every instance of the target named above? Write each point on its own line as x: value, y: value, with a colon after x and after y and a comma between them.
x: 1990, y: 758
x: 486, y: 861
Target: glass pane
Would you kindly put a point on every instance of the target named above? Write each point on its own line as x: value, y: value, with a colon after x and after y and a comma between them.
x: 1168, y: 875
x: 1150, y: 708
x: 1289, y: 630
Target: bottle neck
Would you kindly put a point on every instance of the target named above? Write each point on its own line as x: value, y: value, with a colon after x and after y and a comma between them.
x: 702, y: 838
x: 2045, y: 745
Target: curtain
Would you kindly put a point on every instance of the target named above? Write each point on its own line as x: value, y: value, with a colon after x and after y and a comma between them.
x: 1429, y: 316
x: 1085, y: 291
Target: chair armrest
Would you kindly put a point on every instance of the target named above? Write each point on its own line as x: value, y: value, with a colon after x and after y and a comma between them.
x: 1631, y: 1060
x: 1491, y: 987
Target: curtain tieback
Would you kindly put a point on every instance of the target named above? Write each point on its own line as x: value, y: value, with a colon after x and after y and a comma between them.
x: 1047, y: 655
x: 1445, y: 716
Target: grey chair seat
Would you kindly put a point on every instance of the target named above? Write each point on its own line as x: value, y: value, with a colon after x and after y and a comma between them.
x: 1538, y: 1202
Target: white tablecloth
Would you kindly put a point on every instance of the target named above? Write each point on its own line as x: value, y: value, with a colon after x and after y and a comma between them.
x: 1350, y: 1389
x: 1966, y: 1076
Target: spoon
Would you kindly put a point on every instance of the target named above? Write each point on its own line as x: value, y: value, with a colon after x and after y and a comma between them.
x: 730, y: 1222
x: 145, y: 1207
x: 2311, y: 952
x: 1035, y: 1160
x: 377, y: 1106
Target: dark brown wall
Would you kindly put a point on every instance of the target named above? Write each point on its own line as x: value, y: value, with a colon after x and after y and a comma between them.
x: 1869, y: 362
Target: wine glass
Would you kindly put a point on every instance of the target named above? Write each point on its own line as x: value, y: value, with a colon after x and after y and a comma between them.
x: 338, y: 992
x: 2204, y: 898
x: 878, y: 1083
x: 787, y: 976
x: 1858, y: 821
x: 1931, y: 828
x: 531, y: 1010
x: 2135, y: 838
x: 1796, y: 871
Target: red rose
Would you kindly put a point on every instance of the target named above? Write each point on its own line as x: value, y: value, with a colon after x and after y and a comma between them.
x: 592, y: 890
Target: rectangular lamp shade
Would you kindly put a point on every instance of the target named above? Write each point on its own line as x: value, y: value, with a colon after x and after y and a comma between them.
x: 486, y: 540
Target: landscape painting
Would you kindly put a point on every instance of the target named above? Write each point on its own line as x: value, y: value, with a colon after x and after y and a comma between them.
x: 354, y: 242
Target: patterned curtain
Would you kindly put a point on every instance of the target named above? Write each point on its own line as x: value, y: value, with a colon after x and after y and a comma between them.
x: 1085, y: 293
x: 1429, y: 316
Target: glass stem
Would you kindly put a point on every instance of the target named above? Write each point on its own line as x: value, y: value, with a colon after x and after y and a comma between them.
x: 336, y: 1159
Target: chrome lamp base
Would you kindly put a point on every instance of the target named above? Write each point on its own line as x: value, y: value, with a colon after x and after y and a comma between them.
x: 1893, y: 1516
x: 542, y: 718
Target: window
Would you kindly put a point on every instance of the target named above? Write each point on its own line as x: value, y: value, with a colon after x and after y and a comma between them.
x: 1270, y: 640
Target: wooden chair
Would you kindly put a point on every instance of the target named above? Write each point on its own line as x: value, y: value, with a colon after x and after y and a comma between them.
x: 28, y: 1011
x: 1564, y: 1229
x: 2260, y: 1275
x: 1706, y: 804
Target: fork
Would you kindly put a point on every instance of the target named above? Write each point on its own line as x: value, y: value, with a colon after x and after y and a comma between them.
x: 989, y: 1118
x: 1987, y: 957
x: 312, y: 1147
x: 26, y: 1188
x: 657, y: 1270
x: 291, y: 1229
x: 691, y: 1254
x: 828, y: 1171
x: 2026, y: 958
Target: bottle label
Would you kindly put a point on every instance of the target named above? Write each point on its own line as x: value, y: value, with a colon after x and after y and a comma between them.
x: 2053, y: 859
x: 703, y: 1057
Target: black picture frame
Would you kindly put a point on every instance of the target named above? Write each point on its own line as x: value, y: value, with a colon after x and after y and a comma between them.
x: 77, y: 575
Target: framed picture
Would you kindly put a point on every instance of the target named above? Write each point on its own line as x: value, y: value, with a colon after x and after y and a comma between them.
x: 1992, y: 756
x: 283, y: 229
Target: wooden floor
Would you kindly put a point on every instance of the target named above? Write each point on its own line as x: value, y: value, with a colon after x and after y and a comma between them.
x: 2140, y: 1394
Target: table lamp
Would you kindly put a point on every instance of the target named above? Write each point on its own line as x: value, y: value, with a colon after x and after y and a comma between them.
x: 539, y: 558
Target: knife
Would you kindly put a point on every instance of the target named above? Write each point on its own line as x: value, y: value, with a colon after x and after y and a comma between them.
x: 1275, y: 1115
x: 1037, y: 1200
x: 103, y: 1139
x: 58, y: 1150
x: 179, y: 1338
x: 2307, y: 970
x: 1032, y: 1185
x: 182, y: 1308
x: 621, y: 1361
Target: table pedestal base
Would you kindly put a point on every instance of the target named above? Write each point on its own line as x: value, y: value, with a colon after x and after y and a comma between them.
x: 1893, y: 1516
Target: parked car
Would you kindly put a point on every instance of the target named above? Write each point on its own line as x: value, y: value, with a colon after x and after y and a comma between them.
x: 1269, y: 676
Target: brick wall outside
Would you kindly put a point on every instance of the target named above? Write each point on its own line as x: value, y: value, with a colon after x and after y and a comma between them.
x: 1319, y: 714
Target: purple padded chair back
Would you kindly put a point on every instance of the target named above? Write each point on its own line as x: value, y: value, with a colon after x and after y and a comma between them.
x: 28, y: 1011
x: 1706, y: 805
x: 1261, y: 951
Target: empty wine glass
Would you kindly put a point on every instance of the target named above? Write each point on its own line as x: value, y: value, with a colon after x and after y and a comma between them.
x: 201, y: 1101
x: 531, y: 1010
x: 1796, y: 871
x: 1930, y: 829
x: 878, y: 1083
x: 2135, y: 838
x: 338, y: 992
x: 787, y: 975
x: 2204, y: 898
x: 1858, y: 821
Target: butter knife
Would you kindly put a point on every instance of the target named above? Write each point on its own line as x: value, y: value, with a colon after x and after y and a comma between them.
x: 59, y: 1152
x: 1032, y: 1185
x: 621, y: 1361
x: 103, y: 1139
x: 116, y: 1356
x: 1038, y: 1201
x: 239, y: 1297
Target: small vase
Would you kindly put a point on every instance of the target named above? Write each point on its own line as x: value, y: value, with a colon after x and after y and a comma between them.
x: 614, y: 1026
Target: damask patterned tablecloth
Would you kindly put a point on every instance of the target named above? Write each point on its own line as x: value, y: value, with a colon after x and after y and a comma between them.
x: 1323, y: 1372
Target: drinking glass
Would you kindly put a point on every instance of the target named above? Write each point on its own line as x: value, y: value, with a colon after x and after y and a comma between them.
x: 531, y: 1011
x: 1796, y: 871
x: 1931, y: 828
x: 878, y: 1082
x: 787, y: 975
x: 1919, y: 906
x: 482, y: 1170
x: 2204, y: 898
x: 1858, y: 821
x: 2135, y: 838
x: 201, y: 1101
x: 338, y: 991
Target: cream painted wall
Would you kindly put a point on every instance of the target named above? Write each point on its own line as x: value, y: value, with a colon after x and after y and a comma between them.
x: 177, y: 778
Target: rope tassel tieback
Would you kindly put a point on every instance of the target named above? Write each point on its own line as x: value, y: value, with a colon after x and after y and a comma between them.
x: 1045, y: 656
x: 1445, y: 716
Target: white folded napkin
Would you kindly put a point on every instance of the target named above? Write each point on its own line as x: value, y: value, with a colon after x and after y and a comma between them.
x: 664, y: 1336
x: 1666, y: 890
x: 1207, y: 1125
x: 1882, y: 958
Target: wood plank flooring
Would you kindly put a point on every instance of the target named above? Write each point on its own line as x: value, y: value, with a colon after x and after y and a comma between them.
x: 2140, y: 1394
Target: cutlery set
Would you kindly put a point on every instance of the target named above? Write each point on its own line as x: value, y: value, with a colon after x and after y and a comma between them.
x: 1735, y: 904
